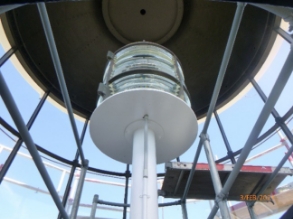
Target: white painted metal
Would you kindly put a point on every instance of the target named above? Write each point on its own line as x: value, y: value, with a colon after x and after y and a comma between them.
x: 114, y: 121
x: 144, y: 188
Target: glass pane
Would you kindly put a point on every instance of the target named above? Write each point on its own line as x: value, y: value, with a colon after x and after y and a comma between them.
x: 268, y: 79
x: 188, y: 156
x: 52, y: 131
x: 22, y: 92
x: 285, y: 101
x: 6, y: 137
x: 109, y: 188
x: 237, y: 128
x: 23, y: 194
x: 98, y: 159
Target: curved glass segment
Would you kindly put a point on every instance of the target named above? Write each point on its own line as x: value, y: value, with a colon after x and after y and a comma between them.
x: 145, y: 65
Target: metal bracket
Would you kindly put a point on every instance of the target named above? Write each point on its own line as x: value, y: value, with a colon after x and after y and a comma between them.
x: 103, y: 90
x: 161, y: 193
x: 204, y: 137
x: 279, y: 120
x: 230, y: 154
x: 110, y: 55
x: 127, y: 174
x: 220, y: 197
x: 96, y: 199
x: 86, y: 164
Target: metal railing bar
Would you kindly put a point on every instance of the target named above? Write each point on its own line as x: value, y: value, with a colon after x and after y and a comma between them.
x: 16, y: 116
x: 18, y: 144
x: 58, y: 68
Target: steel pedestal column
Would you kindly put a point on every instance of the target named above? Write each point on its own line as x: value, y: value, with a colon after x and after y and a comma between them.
x: 144, y: 197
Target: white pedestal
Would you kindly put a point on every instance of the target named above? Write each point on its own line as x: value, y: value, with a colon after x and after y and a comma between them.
x: 144, y: 196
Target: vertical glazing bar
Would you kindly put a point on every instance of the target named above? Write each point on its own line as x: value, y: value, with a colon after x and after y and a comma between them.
x: 228, y: 51
x: 69, y: 182
x: 94, y: 207
x: 73, y: 168
x: 269, y: 105
x: 215, y: 177
x: 58, y: 68
x: 79, y: 191
x: 227, y: 144
x: 184, y: 211
x: 7, y: 55
x: 18, y: 144
x: 127, y: 175
x: 23, y: 131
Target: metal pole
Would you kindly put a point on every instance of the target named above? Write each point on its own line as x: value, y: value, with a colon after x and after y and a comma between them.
x: 94, y: 207
x: 144, y: 191
x: 214, y: 211
x: 166, y: 204
x: 224, y: 64
x: 16, y: 116
x: 6, y: 8
x: 272, y: 99
x: 274, y: 174
x: 113, y: 203
x: 225, y: 139
x: 184, y: 211
x: 215, y: 177
x: 7, y: 55
x: 79, y: 191
x: 275, y: 114
x: 72, y: 171
x: 127, y: 175
x: 128, y: 205
x: 18, y: 144
x: 58, y: 68
x: 228, y: 51
x: 286, y: 36
x: 68, y: 186
x: 251, y: 211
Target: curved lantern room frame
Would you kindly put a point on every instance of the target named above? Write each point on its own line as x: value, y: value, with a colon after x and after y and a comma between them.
x: 221, y: 191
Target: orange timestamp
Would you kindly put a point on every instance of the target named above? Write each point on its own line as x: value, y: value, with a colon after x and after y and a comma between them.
x: 255, y: 198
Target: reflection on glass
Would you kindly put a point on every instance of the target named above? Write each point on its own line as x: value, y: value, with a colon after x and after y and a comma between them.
x: 145, y: 66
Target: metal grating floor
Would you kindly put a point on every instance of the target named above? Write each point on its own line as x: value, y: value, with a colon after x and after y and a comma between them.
x: 249, y: 180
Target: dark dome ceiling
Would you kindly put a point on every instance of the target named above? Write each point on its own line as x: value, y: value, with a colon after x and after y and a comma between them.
x: 195, y: 30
